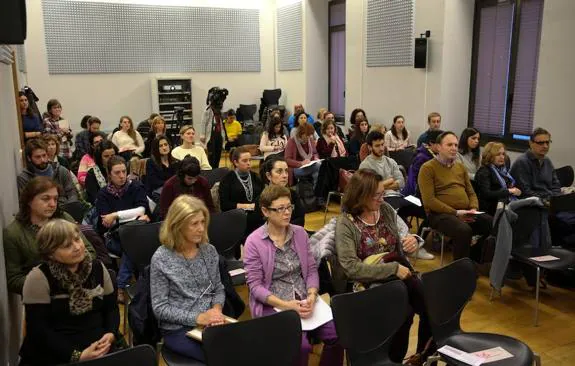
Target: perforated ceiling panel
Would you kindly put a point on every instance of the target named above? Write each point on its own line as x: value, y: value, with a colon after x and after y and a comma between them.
x: 390, y: 32
x: 289, y: 37
x: 91, y: 37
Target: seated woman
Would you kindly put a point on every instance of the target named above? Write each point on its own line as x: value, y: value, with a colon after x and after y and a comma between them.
x: 31, y: 122
x: 330, y: 145
x: 185, y: 284
x: 358, y: 137
x: 370, y: 242
x: 188, y: 147
x: 273, y: 140
x: 160, y: 167
x: 469, y: 151
x: 71, y: 310
x: 53, y: 151
x: 88, y: 162
x: 301, y: 119
x: 97, y: 177
x: 398, y: 137
x: 241, y: 188
x: 492, y: 181
x: 127, y: 139
x: 157, y: 129
x: 274, y: 171
x: 233, y: 130
x: 186, y: 181
x: 38, y: 205
x: 300, y: 151
x: 364, y: 150
x: 119, y: 202
x: 52, y: 126
x: 282, y: 273
x: 89, y: 126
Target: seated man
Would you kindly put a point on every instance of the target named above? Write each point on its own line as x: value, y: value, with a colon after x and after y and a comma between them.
x: 393, y: 180
x: 424, y: 153
x: 449, y: 199
x: 434, y: 122
x: 38, y: 165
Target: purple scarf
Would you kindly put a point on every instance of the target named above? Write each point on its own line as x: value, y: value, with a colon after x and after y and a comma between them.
x: 118, y: 192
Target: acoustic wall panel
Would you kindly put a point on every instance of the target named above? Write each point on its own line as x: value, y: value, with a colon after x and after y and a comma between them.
x: 289, y: 37
x: 390, y: 32
x: 93, y: 37
x: 21, y: 57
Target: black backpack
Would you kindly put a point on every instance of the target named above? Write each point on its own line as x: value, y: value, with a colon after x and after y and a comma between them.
x: 304, y: 189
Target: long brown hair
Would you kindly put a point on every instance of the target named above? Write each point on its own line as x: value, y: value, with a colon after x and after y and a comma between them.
x: 34, y: 187
x: 360, y: 189
x: 131, y: 132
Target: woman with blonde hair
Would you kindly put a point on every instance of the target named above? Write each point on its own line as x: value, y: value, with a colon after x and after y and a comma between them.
x: 71, y: 310
x: 185, y: 283
x: 189, y: 147
x: 127, y: 139
x: 157, y: 129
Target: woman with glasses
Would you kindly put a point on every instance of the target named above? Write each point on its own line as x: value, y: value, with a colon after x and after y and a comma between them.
x: 371, y: 242
x: 185, y: 283
x: 282, y: 273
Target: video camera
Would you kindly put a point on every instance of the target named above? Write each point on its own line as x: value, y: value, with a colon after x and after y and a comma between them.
x: 216, y: 98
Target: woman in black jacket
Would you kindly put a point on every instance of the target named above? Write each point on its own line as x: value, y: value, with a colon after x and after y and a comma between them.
x: 160, y: 167
x: 493, y: 182
x: 97, y: 176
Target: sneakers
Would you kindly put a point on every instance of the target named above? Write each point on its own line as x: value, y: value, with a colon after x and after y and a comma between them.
x: 423, y: 254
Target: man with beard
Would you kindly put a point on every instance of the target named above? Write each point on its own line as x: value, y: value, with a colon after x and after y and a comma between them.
x: 186, y: 181
x: 38, y: 165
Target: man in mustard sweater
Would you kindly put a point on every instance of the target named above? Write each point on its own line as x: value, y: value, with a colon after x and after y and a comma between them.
x: 450, y: 201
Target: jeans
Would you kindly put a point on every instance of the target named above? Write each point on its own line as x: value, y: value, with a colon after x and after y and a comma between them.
x: 310, y: 170
x: 178, y: 342
x: 126, y: 267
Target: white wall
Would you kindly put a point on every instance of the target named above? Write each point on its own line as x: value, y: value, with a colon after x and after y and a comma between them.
x: 111, y: 95
x: 316, y: 38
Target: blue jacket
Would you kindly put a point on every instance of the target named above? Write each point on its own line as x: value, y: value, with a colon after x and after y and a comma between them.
x: 107, y: 203
x: 291, y: 120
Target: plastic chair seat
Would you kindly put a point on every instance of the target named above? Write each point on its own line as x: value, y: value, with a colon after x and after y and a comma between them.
x: 173, y: 359
x: 232, y: 264
x: 566, y: 257
x: 473, y: 342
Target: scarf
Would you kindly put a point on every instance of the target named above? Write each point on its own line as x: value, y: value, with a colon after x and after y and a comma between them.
x: 99, y: 176
x: 80, y: 298
x: 118, y: 192
x: 338, y: 148
x: 301, y: 151
x: 48, y: 172
x: 500, y: 174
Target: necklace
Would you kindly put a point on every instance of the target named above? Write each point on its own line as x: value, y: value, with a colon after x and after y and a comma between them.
x: 247, y: 185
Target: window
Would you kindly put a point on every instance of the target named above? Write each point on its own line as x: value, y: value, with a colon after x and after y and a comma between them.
x: 504, y: 71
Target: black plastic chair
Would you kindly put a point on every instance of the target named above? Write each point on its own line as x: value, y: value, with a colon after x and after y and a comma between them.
x: 226, y: 232
x: 215, y: 175
x: 173, y: 359
x: 367, y: 334
x: 565, y: 175
x: 76, y: 209
x: 246, y: 112
x: 143, y: 355
x: 447, y: 290
x: 269, y: 340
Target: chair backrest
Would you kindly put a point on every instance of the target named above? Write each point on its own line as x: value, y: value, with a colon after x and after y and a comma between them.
x: 142, y: 355
x: 270, y: 340
x: 403, y: 157
x: 76, y: 209
x: 139, y: 241
x: 271, y: 96
x: 227, y: 230
x: 214, y: 175
x: 565, y: 175
x: 366, y: 321
x: 246, y: 112
x: 447, y: 290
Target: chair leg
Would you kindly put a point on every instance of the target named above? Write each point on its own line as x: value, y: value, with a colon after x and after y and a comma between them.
x: 442, y: 243
x: 537, y: 359
x: 535, y: 322
x: 431, y: 359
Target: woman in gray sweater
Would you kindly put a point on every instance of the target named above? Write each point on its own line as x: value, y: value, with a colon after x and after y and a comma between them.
x: 184, y: 277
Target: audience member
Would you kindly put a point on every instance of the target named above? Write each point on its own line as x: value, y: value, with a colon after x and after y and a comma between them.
x: 371, y: 242
x: 398, y: 137
x: 364, y: 150
x: 53, y: 149
x: 233, y: 130
x: 52, y: 119
x: 38, y: 205
x: 493, y: 181
x: 356, y: 116
x: 469, y: 153
x: 31, y: 122
x: 427, y: 151
x: 144, y: 126
x: 160, y: 167
x: 434, y: 122
x: 97, y: 177
x: 301, y: 120
x: 358, y: 137
x: 71, y: 310
x: 297, y: 109
x: 187, y: 181
x: 274, y: 171
x: 300, y: 151
x: 534, y: 171
x: 39, y: 165
x: 128, y: 140
x: 185, y: 283
x: 273, y: 140
x: 450, y: 200
x: 282, y: 273
x: 157, y: 128
x: 119, y: 202
x: 88, y: 160
x: 188, y: 147
x: 329, y: 116
x: 83, y: 143
x: 241, y: 188
x: 330, y: 145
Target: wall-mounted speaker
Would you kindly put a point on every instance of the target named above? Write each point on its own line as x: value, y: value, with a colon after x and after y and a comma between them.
x: 13, y: 22
x: 420, y: 58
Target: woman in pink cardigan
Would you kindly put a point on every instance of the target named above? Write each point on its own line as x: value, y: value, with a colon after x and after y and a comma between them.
x: 300, y: 150
x: 282, y: 273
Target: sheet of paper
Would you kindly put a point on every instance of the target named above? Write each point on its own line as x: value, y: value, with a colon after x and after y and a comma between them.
x: 460, y: 355
x: 416, y: 201
x: 236, y: 272
x: 478, y: 213
x: 311, y: 163
x: 493, y: 354
x: 321, y: 315
x: 196, y: 333
x: 63, y: 123
x: 544, y: 258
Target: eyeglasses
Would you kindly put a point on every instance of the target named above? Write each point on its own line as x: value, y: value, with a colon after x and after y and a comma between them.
x: 378, y: 196
x: 541, y: 143
x: 282, y: 210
